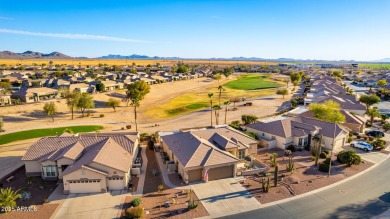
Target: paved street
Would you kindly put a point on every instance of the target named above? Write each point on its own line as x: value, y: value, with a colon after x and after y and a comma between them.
x: 364, y: 196
x: 223, y: 196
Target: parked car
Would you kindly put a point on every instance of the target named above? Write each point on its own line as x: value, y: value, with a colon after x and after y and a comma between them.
x: 375, y: 133
x: 362, y: 145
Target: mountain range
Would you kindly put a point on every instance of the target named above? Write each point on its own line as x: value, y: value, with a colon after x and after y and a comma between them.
x: 58, y: 55
x: 32, y: 55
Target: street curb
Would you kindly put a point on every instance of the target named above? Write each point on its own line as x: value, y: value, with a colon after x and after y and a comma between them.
x: 302, y: 195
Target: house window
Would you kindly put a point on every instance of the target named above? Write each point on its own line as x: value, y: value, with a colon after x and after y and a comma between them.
x: 241, y: 154
x: 273, y: 137
x: 50, y: 171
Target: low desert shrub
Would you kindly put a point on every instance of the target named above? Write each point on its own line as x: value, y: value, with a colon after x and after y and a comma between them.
x: 323, y: 167
x: 327, y: 161
x: 136, y: 202
x: 192, y: 204
x: 379, y: 144
x: 291, y: 148
x: 313, y: 158
x: 327, y: 152
x: 134, y: 212
x: 386, y: 126
x: 349, y: 157
x: 128, y: 126
x: 101, y: 115
x: 323, y: 155
x: 287, y: 153
x: 350, y: 139
x: 358, y: 136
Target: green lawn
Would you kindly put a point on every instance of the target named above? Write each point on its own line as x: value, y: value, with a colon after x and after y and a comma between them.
x: 36, y: 133
x: 251, y: 82
x: 196, y: 106
x: 189, y: 108
x: 375, y: 65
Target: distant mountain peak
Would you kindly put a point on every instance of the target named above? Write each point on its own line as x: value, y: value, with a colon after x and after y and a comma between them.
x: 32, y: 55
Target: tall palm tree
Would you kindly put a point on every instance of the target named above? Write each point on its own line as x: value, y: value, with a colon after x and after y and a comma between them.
x: 373, y: 112
x: 216, y: 110
x: 220, y: 93
x: 227, y: 103
x: 8, y: 198
x: 211, y: 106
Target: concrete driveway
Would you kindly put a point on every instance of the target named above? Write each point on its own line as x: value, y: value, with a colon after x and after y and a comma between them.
x: 221, y: 197
x: 94, y: 205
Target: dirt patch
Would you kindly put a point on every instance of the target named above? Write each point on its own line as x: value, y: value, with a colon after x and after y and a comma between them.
x: 39, y: 189
x: 305, y: 178
x: 41, y: 212
x: 153, y: 203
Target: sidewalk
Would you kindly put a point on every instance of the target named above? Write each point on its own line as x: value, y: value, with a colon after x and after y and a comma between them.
x: 141, y: 180
x: 165, y: 172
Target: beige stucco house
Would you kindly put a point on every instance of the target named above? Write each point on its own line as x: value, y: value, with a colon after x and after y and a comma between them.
x: 215, y: 151
x: 85, y: 163
x: 298, y: 131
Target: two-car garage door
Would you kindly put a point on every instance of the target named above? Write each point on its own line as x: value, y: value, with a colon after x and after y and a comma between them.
x: 221, y: 172
x: 87, y: 186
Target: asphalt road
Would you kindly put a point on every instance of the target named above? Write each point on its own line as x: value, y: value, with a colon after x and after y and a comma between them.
x: 365, y: 196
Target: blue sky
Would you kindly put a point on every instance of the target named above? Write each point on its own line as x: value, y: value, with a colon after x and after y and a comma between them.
x: 317, y: 29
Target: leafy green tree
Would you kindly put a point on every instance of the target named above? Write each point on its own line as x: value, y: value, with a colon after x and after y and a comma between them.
x: 71, y: 101
x: 369, y: 100
x: 100, y: 87
x: 182, y: 69
x: 135, y: 93
x: 211, y: 107
x: 50, y: 109
x: 227, y: 103
x: 336, y: 73
x: 373, y: 112
x: 381, y: 83
x: 85, y: 101
x: 282, y: 91
x: 114, y: 103
x: 227, y: 72
x: 217, y: 77
x: 5, y: 86
x: 248, y: 119
x: 8, y: 198
x: 328, y: 111
x: 296, y: 76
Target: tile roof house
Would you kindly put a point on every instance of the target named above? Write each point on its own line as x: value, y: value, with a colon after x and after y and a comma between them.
x: 298, y: 131
x: 30, y: 95
x: 215, y: 151
x: 84, y: 162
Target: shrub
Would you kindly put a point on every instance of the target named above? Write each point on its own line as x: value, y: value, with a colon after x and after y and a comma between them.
x: 136, y: 202
x: 151, y: 145
x: 236, y: 125
x: 252, y: 135
x: 349, y: 157
x: 291, y: 148
x: 386, y: 126
x: 128, y: 126
x: 358, y: 136
x: 88, y: 114
x: 370, y: 138
x: 365, y: 138
x: 160, y: 188
x: 323, y: 155
x: 287, y: 153
x: 135, y: 212
x: 143, y: 136
x: 323, y: 167
x: 192, y: 204
x: 313, y: 158
x: 327, y: 152
x: 101, y: 115
x: 368, y: 124
x: 327, y: 161
x: 350, y: 139
x: 379, y: 144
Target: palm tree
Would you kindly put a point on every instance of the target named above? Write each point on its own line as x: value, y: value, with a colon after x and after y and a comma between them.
x: 220, y: 93
x: 373, y: 112
x: 227, y: 103
x: 7, y: 198
x: 216, y: 110
x: 211, y: 106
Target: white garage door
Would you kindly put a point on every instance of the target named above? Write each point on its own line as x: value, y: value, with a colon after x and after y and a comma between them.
x: 87, y: 186
x: 115, y: 183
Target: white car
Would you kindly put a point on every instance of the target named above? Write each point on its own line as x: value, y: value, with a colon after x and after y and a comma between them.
x: 362, y: 145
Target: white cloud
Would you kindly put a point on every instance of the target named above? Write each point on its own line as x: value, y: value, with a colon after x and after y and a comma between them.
x: 72, y: 36
x: 6, y: 18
